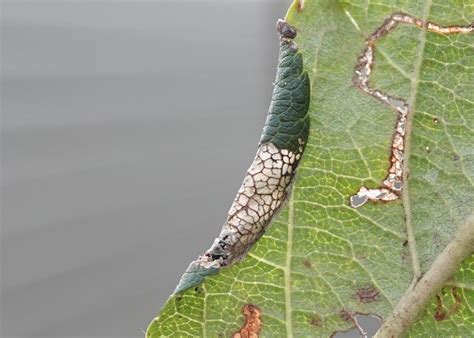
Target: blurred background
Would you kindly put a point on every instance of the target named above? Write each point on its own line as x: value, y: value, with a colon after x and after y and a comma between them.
x: 127, y: 127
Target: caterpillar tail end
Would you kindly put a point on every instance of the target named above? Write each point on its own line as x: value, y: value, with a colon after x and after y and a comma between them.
x: 194, y: 275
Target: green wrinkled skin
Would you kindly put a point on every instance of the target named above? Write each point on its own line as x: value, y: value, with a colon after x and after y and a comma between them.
x: 194, y: 276
x: 288, y: 118
x: 287, y: 127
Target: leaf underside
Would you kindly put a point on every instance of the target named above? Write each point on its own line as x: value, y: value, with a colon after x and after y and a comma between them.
x: 321, y: 258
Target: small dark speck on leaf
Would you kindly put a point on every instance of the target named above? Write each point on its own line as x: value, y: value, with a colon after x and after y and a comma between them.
x: 456, y: 157
x: 316, y: 321
x: 307, y: 264
x: 435, y: 120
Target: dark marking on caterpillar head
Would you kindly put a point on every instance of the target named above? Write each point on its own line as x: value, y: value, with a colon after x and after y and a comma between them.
x: 367, y: 295
x: 285, y: 30
x: 253, y: 322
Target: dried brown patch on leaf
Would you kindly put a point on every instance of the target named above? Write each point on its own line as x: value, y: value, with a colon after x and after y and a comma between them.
x: 253, y: 322
x: 346, y: 315
x: 392, y: 185
x: 316, y: 321
x: 440, y: 312
x: 367, y: 295
x: 300, y: 5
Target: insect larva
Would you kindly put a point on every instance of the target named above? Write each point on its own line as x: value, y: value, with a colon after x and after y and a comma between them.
x: 267, y: 182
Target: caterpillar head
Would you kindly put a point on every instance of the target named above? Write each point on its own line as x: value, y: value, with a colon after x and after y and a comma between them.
x: 285, y: 30
x: 287, y: 33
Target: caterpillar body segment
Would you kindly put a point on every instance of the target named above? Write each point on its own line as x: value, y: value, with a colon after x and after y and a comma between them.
x: 268, y: 180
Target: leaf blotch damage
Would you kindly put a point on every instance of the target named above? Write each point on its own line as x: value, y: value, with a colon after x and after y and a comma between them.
x: 392, y: 185
x: 316, y: 321
x: 346, y: 315
x: 367, y: 295
x: 441, y: 313
x: 300, y: 5
x: 253, y: 322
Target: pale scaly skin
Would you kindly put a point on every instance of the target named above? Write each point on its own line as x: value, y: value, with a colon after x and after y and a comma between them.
x: 265, y: 188
x: 268, y: 181
x: 262, y: 194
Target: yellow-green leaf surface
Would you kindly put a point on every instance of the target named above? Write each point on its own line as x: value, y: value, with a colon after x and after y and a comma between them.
x: 321, y: 258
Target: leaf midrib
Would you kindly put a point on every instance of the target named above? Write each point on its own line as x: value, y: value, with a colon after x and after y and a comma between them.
x: 415, y: 262
x: 287, y: 269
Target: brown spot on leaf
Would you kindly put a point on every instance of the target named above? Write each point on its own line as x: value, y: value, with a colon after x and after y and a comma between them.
x: 456, y: 157
x: 440, y: 312
x: 307, y: 264
x: 253, y: 322
x: 367, y: 295
x: 316, y: 321
x: 300, y: 5
x: 346, y: 315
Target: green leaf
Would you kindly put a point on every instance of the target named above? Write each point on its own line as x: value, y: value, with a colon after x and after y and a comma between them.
x: 322, y: 259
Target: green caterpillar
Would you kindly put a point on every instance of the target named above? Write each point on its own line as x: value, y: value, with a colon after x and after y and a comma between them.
x: 268, y: 180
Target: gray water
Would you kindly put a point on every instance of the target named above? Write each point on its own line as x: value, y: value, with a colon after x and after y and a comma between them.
x: 127, y: 127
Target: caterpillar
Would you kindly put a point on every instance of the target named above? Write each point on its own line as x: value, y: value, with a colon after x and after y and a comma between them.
x: 267, y: 182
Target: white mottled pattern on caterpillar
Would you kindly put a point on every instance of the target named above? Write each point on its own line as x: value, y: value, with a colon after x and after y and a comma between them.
x: 263, y: 192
